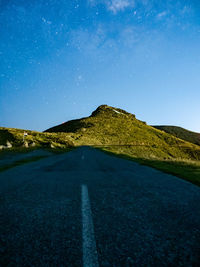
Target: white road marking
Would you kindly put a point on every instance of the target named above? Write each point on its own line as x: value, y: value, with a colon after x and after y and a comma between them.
x: 90, y: 256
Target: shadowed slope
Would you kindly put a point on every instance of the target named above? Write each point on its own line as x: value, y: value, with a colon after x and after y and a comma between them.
x: 181, y: 133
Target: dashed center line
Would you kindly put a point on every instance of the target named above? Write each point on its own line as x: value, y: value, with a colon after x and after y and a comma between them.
x: 90, y: 256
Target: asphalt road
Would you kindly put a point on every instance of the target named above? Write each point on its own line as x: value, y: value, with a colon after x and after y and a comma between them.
x: 87, y: 208
x: 10, y: 157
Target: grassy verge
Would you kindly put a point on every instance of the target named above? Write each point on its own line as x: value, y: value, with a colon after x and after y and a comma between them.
x: 186, y: 169
x: 21, y: 162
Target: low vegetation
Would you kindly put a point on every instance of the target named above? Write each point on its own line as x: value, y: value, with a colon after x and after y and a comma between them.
x: 18, y: 139
x: 119, y: 132
x: 182, y: 133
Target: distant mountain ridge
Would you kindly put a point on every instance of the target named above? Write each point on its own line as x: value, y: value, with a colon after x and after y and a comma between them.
x: 181, y: 133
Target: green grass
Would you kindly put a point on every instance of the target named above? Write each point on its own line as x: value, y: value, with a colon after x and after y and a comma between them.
x: 108, y: 126
x: 181, y: 133
x: 119, y: 132
x: 34, y: 139
x: 122, y: 134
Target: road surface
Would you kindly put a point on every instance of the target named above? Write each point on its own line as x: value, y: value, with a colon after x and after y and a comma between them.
x: 87, y: 208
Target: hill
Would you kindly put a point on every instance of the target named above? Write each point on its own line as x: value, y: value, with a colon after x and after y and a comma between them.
x: 117, y: 132
x: 14, y: 138
x: 120, y: 132
x: 181, y: 133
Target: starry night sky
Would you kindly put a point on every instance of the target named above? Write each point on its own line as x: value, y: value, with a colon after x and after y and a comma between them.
x: 59, y: 60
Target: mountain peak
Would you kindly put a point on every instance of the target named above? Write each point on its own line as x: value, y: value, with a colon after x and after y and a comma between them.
x: 100, y: 109
x: 105, y: 109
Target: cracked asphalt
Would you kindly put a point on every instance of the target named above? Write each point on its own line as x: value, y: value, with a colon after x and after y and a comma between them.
x: 141, y: 216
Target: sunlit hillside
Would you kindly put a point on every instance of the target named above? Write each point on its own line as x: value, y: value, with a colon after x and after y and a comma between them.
x: 120, y: 131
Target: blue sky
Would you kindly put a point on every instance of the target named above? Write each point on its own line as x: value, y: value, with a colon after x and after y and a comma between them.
x: 59, y: 60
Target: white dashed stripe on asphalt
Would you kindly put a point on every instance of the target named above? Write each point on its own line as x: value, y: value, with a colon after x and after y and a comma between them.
x: 90, y: 257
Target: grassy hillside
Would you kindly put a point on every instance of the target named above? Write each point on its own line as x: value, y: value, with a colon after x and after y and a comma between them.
x: 119, y: 132
x: 14, y: 137
x: 122, y: 133
x: 181, y: 133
